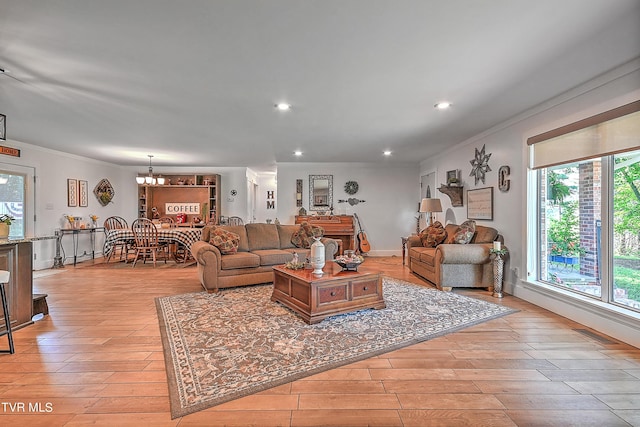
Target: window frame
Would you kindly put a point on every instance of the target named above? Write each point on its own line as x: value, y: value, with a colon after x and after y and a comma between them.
x: 533, y: 243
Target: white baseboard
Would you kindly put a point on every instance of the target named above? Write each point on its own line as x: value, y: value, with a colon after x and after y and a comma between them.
x: 385, y: 253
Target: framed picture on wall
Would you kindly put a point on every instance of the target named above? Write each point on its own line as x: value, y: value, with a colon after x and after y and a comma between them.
x: 83, y: 193
x: 452, y: 177
x: 480, y: 204
x: 3, y: 127
x: 72, y: 193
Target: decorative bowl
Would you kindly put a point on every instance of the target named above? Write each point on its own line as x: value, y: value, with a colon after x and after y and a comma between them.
x: 349, y: 263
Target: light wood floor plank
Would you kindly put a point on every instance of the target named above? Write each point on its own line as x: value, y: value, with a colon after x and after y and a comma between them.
x: 97, y: 359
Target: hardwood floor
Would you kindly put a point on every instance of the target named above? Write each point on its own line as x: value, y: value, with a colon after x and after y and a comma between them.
x: 96, y: 359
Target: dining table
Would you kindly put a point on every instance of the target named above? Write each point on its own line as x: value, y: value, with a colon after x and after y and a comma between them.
x: 182, y: 235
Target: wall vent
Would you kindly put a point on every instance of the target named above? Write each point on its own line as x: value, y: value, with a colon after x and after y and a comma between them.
x: 599, y: 338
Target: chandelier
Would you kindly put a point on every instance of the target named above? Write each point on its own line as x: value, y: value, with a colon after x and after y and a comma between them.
x: 150, y: 179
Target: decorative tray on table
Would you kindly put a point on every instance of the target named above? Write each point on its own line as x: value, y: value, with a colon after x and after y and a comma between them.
x: 349, y: 263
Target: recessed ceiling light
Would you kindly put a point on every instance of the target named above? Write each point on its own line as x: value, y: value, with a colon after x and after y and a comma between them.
x: 442, y: 105
x: 297, y: 153
x: 283, y: 106
x: 387, y: 152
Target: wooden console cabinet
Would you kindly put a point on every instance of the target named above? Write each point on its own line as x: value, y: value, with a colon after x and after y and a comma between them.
x: 203, y: 189
x: 16, y: 258
x: 339, y: 227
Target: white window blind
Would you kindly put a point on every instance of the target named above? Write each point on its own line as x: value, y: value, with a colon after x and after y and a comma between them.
x: 611, y: 132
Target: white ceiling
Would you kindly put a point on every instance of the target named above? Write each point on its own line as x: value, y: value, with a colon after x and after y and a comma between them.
x: 194, y: 82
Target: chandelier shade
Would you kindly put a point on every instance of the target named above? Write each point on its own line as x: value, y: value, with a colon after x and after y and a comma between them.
x: 150, y: 179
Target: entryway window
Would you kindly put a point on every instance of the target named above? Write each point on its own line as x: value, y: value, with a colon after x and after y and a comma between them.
x: 12, y: 198
x: 587, y: 189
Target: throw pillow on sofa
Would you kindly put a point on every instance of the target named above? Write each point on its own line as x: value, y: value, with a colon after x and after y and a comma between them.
x: 226, y: 241
x: 465, y: 232
x: 433, y: 235
x: 303, y: 238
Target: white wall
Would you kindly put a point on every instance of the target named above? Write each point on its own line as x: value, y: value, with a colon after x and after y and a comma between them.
x: 507, y: 145
x: 505, y: 149
x: 391, y: 193
x: 266, y: 182
x: 52, y: 169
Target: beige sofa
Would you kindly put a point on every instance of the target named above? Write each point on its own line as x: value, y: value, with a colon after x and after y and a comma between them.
x: 450, y: 265
x: 261, y: 247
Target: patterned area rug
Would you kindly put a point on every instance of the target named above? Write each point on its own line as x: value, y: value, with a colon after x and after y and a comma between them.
x: 219, y: 347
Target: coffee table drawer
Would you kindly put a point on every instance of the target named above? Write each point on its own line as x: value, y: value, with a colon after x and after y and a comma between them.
x: 364, y: 288
x: 331, y: 294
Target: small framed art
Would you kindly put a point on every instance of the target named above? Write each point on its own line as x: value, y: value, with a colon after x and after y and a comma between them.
x: 3, y: 127
x: 72, y: 193
x: 452, y: 177
x: 83, y: 193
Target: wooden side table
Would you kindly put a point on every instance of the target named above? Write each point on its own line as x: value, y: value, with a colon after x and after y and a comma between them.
x: 404, y: 247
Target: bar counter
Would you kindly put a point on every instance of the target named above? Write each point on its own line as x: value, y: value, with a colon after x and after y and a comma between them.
x: 16, y: 257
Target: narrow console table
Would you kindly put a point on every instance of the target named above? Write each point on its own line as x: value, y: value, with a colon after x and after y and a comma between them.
x: 339, y: 227
x: 58, y: 261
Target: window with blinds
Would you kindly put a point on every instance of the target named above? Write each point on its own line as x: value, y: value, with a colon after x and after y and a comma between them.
x: 588, y: 199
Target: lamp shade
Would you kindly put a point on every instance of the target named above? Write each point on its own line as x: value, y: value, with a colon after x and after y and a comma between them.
x: 430, y: 205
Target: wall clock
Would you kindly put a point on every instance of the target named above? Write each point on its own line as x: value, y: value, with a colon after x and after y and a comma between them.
x: 351, y: 187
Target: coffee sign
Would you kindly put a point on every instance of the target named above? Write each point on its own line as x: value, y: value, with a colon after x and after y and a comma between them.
x: 185, y: 208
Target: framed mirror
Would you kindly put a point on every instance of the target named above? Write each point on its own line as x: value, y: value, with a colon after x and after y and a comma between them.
x: 320, y: 192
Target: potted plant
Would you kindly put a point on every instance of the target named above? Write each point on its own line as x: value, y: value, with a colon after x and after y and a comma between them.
x: 5, y: 222
x: 564, y: 236
x: 567, y: 253
x: 105, y: 198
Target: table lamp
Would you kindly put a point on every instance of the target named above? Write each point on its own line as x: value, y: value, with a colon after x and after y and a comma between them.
x: 430, y: 206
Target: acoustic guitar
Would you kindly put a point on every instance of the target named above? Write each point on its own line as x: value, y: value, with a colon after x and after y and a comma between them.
x: 363, y: 243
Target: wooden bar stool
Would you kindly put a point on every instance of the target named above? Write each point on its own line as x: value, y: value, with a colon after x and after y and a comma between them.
x: 4, y: 279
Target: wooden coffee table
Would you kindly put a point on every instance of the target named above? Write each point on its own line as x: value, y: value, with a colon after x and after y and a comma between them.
x: 316, y: 297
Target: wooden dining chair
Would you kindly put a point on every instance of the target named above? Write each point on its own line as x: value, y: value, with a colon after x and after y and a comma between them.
x: 114, y: 223
x: 147, y: 244
x: 167, y: 220
x: 174, y: 249
x: 235, y: 220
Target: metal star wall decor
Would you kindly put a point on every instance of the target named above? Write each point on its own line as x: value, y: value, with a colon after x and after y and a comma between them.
x: 480, y: 165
